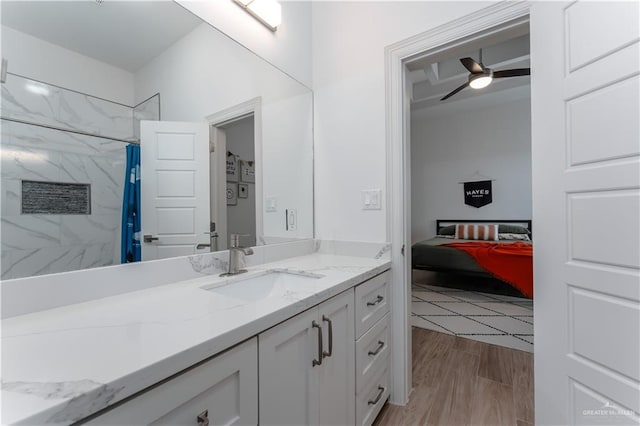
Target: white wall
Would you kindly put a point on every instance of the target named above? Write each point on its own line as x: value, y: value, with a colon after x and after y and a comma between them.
x: 206, y: 72
x: 349, y: 91
x: 241, y: 218
x: 40, y: 60
x: 288, y: 165
x: 449, y: 148
x: 289, y: 48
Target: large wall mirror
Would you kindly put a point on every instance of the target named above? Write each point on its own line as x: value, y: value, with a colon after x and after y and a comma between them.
x: 92, y: 88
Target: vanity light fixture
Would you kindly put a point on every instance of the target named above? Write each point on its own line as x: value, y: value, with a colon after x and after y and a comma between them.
x: 268, y: 12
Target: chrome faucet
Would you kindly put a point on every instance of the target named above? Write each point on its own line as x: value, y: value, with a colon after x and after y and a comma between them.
x: 236, y: 255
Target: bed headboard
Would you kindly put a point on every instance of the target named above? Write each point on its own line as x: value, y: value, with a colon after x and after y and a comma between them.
x: 440, y: 223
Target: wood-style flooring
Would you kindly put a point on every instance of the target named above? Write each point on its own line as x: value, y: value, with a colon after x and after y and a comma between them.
x: 457, y: 381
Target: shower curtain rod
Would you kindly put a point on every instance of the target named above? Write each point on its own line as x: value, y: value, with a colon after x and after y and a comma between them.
x: 79, y: 132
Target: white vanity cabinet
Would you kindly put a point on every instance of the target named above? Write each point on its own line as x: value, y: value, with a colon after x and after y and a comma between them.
x: 373, y: 339
x: 307, y: 366
x: 328, y: 365
x: 220, y: 391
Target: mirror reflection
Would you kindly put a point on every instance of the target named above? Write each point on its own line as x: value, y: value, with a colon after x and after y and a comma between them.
x: 137, y: 121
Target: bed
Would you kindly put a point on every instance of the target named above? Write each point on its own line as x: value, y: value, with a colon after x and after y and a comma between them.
x: 465, y: 257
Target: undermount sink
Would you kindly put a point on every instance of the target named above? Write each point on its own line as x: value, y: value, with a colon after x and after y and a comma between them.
x: 269, y: 284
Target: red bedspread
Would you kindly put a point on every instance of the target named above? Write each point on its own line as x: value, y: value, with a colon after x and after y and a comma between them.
x: 512, y: 263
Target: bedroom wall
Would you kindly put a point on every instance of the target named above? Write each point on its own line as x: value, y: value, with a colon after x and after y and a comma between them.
x: 448, y: 147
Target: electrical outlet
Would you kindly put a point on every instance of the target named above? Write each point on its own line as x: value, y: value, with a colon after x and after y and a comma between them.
x: 372, y: 199
x: 291, y: 219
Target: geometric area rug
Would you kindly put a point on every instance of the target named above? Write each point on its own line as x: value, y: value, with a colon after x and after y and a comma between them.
x: 490, y: 318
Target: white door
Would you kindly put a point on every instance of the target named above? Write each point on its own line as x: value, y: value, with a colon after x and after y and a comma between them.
x: 586, y: 209
x: 288, y: 377
x: 174, y: 165
x: 336, y: 378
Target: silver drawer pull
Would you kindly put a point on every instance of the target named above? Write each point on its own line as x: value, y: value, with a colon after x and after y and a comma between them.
x: 378, y: 300
x: 320, y: 351
x: 375, y: 401
x: 203, y: 418
x: 377, y: 351
x: 326, y: 354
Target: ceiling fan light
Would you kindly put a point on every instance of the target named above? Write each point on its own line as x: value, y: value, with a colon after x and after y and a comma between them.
x: 479, y: 81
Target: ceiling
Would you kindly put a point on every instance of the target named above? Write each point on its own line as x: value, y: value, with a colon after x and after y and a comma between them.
x: 124, y: 34
x: 433, y: 80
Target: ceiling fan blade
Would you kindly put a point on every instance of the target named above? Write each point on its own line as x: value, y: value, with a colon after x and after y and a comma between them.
x: 455, y: 91
x: 516, y: 72
x: 471, y: 65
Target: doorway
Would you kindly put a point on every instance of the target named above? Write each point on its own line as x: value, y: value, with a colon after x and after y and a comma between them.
x: 471, y: 166
x: 240, y: 194
x: 455, y: 38
x: 465, y: 322
x: 235, y: 136
x: 582, y: 89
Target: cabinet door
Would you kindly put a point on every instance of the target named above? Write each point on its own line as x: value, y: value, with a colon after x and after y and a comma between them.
x: 336, y: 374
x: 225, y: 388
x: 288, y: 378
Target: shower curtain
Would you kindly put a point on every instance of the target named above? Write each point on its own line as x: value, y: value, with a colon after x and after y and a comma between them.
x: 131, y: 225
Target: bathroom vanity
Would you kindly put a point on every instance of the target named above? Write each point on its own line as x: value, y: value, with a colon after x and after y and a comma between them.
x: 302, y: 340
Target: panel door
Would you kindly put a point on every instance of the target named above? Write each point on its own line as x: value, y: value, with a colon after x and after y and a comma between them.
x: 336, y: 374
x: 288, y: 378
x: 174, y: 164
x: 225, y: 388
x: 586, y: 184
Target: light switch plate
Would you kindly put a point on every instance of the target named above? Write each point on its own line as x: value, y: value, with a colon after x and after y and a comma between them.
x: 271, y: 204
x: 372, y: 199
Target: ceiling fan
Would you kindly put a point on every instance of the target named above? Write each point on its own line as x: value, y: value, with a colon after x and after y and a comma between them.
x: 481, y: 76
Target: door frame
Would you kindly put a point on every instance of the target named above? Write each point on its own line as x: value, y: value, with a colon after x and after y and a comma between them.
x: 478, y: 25
x: 251, y: 107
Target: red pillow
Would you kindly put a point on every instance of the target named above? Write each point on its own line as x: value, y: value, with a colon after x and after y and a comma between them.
x: 477, y: 232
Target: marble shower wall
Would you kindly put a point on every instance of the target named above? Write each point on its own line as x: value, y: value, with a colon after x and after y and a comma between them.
x: 41, y: 103
x: 45, y: 243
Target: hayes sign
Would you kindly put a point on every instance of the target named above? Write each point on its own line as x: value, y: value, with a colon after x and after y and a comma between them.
x: 477, y: 194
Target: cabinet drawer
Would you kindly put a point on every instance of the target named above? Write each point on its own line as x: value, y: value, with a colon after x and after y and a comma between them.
x: 372, y: 353
x: 370, y: 401
x: 226, y: 388
x: 372, y: 302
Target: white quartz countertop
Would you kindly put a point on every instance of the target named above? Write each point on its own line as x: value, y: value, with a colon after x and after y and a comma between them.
x: 63, y: 364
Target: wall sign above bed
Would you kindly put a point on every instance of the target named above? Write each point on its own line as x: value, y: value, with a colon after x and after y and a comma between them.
x: 478, y: 193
